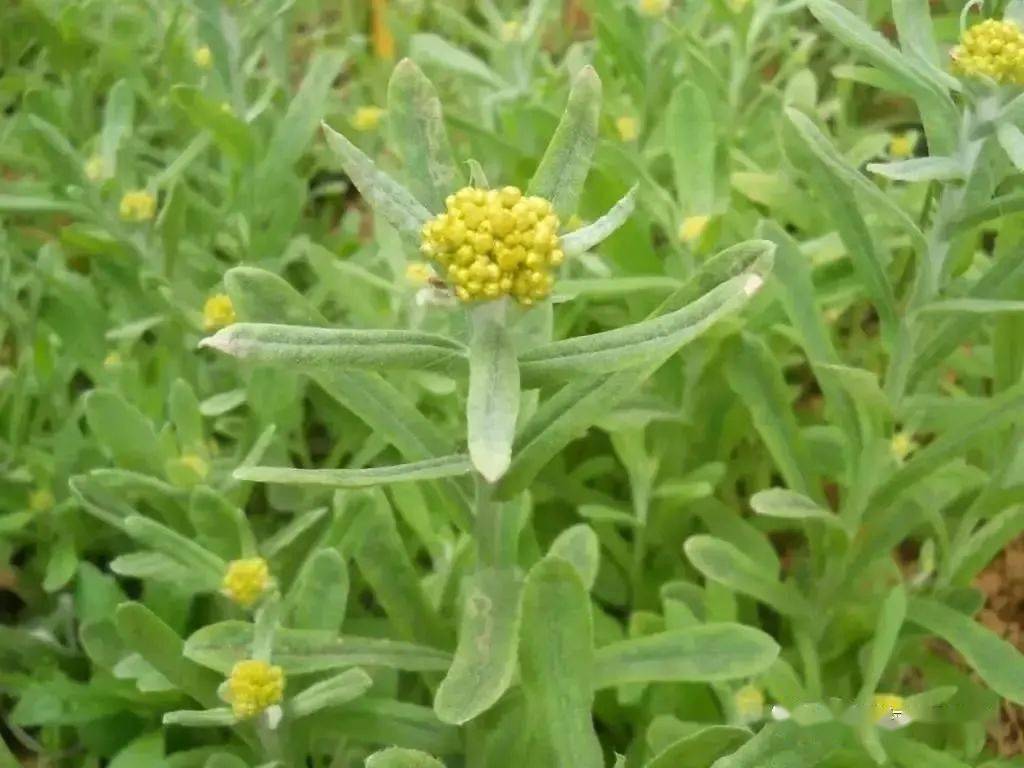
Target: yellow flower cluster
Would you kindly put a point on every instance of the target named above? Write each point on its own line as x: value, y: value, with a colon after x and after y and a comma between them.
x: 994, y: 49
x: 749, y: 703
x: 137, y: 205
x: 653, y: 7
x: 884, y: 705
x: 218, y: 312
x: 253, y: 686
x: 246, y: 580
x: 367, y: 118
x: 495, y: 243
x: 203, y: 57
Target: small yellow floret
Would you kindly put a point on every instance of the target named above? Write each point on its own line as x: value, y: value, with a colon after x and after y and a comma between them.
x: 94, y: 168
x: 218, y: 312
x: 246, y: 580
x: 653, y: 7
x: 993, y: 49
x: 138, y: 205
x: 749, y: 703
x: 495, y: 242
x: 902, y: 145
x: 627, y: 127
x: 367, y: 118
x: 203, y: 57
x: 692, y: 228
x: 902, y: 445
x: 41, y: 500
x: 253, y: 686
x: 510, y: 31
x: 886, y: 706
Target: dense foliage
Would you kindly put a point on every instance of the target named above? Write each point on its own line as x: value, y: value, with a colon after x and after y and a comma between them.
x: 485, y: 383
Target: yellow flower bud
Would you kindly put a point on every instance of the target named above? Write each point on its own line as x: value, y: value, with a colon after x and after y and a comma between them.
x: 246, y: 580
x: 627, y: 127
x: 653, y: 7
x: 203, y: 57
x: 902, y: 445
x: 94, y: 170
x: 137, y: 205
x: 367, y: 118
x: 902, y: 145
x: 749, y: 703
x: 887, y: 706
x: 253, y: 686
x: 692, y: 228
x: 41, y: 500
x: 218, y: 312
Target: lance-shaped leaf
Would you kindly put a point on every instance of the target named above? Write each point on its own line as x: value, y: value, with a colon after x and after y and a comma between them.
x: 419, y: 136
x: 261, y: 296
x: 638, y: 344
x: 702, y: 653
x: 690, y: 128
x: 302, y: 348
x: 701, y: 749
x: 997, y: 662
x: 303, y: 651
x: 563, y: 169
x: 433, y: 49
x: 203, y: 718
x: 580, y: 404
x: 920, y: 169
x: 319, y: 595
x: 232, y: 136
x: 203, y: 563
x: 386, y: 196
x: 429, y: 469
x: 556, y: 656
x: 726, y: 564
x: 493, y: 402
x: 485, y: 659
x: 340, y: 689
x: 587, y: 237
x: 790, y: 505
x: 580, y: 547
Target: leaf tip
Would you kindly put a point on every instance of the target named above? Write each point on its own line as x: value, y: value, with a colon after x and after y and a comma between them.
x: 491, y: 464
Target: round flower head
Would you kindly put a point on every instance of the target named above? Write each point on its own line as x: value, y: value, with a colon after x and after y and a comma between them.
x: 749, y: 703
x: 137, y: 205
x: 495, y: 242
x: 367, y: 118
x: 889, y: 711
x: 692, y: 228
x: 253, y: 687
x: 218, y: 312
x: 993, y: 49
x: 246, y: 580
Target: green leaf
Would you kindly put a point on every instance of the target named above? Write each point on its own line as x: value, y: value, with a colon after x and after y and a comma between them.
x: 703, y: 653
x: 332, y: 692
x: 419, y: 136
x: 386, y: 196
x: 638, y: 344
x: 592, y: 235
x: 395, y: 757
x: 160, y: 567
x: 296, y: 129
x: 146, y: 634
x: 997, y: 662
x: 231, y: 135
x: 493, y: 401
x: 485, y: 659
x: 303, y: 349
x: 319, y: 596
x: 838, y: 166
x: 118, y: 115
x: 755, y: 375
x: 726, y: 564
x: 914, y: 26
x: 890, y: 621
x: 788, y: 744
x: 985, y: 544
x: 203, y: 563
x: 222, y: 527
x: 702, y: 748
x: 428, y: 48
x: 123, y: 431
x: 430, y: 469
x: 183, y: 409
x: 690, y: 135
x: 385, y: 721
x: 974, y: 306
x: 261, y: 296
x: 556, y: 660
x: 305, y: 651
x: 580, y: 404
x: 1011, y: 139
x: 578, y: 545
x: 920, y: 169
x: 563, y: 169
x: 205, y: 718
x: 789, y: 505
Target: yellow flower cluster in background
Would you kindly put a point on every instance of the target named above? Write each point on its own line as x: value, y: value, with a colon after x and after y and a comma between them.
x: 203, y: 57
x: 218, y: 312
x: 994, y: 49
x: 692, y: 228
x: 367, y: 118
x: 246, y: 580
x: 253, y: 686
x: 137, y: 205
x: 495, y: 243
x: 41, y: 500
x: 886, y: 706
x: 653, y: 7
x: 627, y: 127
